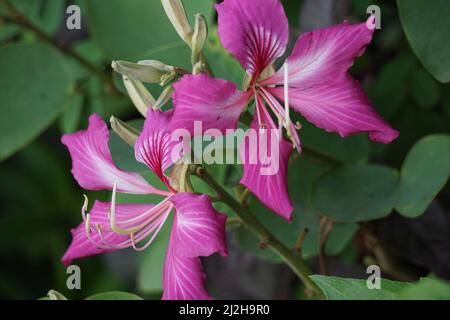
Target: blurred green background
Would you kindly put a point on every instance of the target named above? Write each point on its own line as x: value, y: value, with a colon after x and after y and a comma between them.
x: 45, y: 91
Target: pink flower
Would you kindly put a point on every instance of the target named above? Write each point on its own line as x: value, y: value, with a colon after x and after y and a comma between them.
x: 197, y: 228
x: 315, y: 84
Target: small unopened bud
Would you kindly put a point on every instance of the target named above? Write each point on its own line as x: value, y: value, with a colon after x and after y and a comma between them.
x: 166, y: 78
x: 142, y: 99
x: 177, y: 15
x: 140, y: 72
x: 55, y: 295
x: 161, y: 66
x: 163, y: 98
x: 126, y: 132
x: 199, y: 37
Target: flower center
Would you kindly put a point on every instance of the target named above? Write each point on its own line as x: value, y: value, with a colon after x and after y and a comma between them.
x: 282, y: 113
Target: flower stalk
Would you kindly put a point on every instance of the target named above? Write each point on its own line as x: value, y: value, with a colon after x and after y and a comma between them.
x: 295, y: 262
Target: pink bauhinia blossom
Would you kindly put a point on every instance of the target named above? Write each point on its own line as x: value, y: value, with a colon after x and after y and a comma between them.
x: 314, y: 82
x: 197, y: 228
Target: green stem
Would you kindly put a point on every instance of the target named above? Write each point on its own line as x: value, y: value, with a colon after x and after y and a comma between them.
x: 295, y: 262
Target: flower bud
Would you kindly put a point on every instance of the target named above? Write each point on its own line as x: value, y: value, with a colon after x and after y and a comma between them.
x: 142, y: 72
x: 142, y: 99
x: 168, y: 77
x: 126, y: 132
x: 199, y: 37
x: 55, y: 295
x: 157, y: 65
x: 163, y: 98
x: 177, y: 15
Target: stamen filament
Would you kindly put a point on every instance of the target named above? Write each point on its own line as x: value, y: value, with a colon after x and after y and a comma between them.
x: 112, y: 215
x: 150, y: 241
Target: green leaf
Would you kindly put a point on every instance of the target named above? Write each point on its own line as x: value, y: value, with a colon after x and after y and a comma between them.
x: 114, y: 295
x: 71, y: 117
x: 427, y: 289
x: 446, y: 100
x: 351, y: 149
x: 389, y: 92
x: 424, y: 89
x: 424, y: 173
x: 140, y: 29
x: 52, y: 15
x: 89, y: 51
x: 35, y: 83
x: 336, y: 288
x: 356, y: 193
x: 426, y: 26
x: 47, y: 15
x: 301, y: 175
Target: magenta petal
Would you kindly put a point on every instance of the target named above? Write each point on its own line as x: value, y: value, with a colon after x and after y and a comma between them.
x: 216, y: 103
x: 154, y: 145
x: 92, y: 164
x: 108, y: 240
x: 270, y: 189
x: 183, y: 277
x: 324, y: 55
x: 255, y: 32
x: 340, y: 107
x: 198, y: 229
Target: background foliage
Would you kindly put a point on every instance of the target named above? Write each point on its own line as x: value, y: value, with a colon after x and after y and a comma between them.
x: 367, y: 204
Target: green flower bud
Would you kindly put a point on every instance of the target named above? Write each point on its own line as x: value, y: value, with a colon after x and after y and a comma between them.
x: 177, y: 15
x: 142, y: 99
x: 126, y: 132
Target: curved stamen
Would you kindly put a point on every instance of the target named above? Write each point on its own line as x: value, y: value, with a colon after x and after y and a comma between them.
x: 150, y: 241
x: 291, y: 128
x: 88, y: 233
x: 153, y: 220
x: 112, y: 215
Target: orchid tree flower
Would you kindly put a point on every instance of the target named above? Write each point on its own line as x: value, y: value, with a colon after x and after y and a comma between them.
x: 197, y: 228
x: 314, y: 82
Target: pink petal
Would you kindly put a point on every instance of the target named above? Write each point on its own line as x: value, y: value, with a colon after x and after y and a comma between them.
x: 324, y: 55
x: 154, y: 145
x: 340, y: 107
x: 198, y: 229
x: 82, y: 246
x: 183, y: 277
x: 255, y: 32
x: 216, y: 103
x: 270, y: 189
x: 92, y: 164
